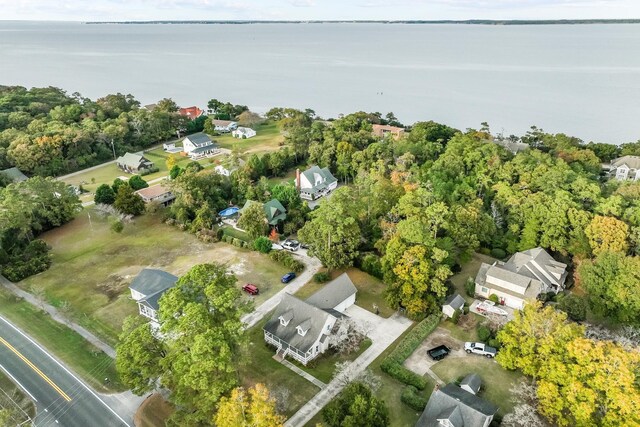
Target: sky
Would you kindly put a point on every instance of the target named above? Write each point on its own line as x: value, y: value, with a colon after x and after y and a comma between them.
x: 145, y: 10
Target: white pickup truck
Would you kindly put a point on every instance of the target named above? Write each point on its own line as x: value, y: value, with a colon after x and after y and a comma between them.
x: 480, y: 348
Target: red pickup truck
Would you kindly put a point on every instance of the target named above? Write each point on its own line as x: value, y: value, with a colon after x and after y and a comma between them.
x: 251, y: 289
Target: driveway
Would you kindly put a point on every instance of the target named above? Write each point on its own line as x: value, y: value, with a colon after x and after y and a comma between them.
x: 420, y: 362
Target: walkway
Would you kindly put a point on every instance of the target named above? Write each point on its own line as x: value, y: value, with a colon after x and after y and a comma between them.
x: 55, y: 315
x: 307, y: 376
x: 312, y: 265
x: 383, y: 333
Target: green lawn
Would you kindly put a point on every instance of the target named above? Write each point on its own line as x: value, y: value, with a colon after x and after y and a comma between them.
x: 496, y: 381
x: 230, y: 231
x: 465, y: 330
x: 469, y: 270
x: 324, y: 366
x: 90, y: 363
x: 258, y: 366
x: 268, y: 138
x: 370, y: 290
x: 93, y: 266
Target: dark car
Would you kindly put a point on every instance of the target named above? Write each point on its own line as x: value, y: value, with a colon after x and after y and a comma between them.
x: 288, y: 277
x: 439, y: 352
x: 251, y: 289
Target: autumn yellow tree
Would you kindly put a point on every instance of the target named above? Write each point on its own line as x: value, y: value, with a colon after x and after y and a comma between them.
x: 252, y: 408
x: 607, y: 234
x: 592, y: 383
x: 171, y: 161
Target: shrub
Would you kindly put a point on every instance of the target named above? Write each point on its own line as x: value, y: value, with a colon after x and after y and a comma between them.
x: 287, y: 260
x: 150, y: 171
x: 494, y: 298
x: 370, y: 263
x: 137, y: 183
x: 262, y: 244
x: 404, y: 375
x: 494, y: 343
x: 411, y: 397
x: 456, y: 317
x: 236, y: 242
x: 219, y: 233
x: 484, y: 333
x: 498, y: 253
x: 322, y: 277
x: 465, y: 309
x: 574, y: 306
x: 470, y: 287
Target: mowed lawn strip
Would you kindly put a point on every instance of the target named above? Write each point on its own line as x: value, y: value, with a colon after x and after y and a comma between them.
x: 268, y: 138
x: 258, y: 366
x: 496, y: 381
x: 72, y: 349
x: 93, y: 266
x: 324, y: 367
x: 370, y: 290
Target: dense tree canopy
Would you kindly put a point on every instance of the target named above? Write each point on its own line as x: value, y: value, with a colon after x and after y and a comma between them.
x: 356, y: 406
x: 255, y: 408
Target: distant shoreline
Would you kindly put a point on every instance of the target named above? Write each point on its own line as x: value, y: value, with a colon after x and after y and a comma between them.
x: 420, y: 22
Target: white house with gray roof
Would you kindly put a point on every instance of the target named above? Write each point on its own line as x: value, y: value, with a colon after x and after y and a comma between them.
x: 452, y: 406
x: 315, y: 182
x: 133, y: 163
x: 522, y: 278
x: 198, y: 146
x: 452, y: 304
x: 147, y: 288
x: 301, y: 329
x: 625, y: 168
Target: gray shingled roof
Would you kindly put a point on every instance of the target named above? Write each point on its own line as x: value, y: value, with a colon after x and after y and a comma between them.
x: 474, y: 411
x: 132, y: 160
x: 14, y: 174
x: 325, y: 174
x: 333, y: 293
x: 633, y: 162
x: 455, y: 301
x: 302, y: 312
x: 471, y: 383
x: 203, y: 149
x: 199, y: 138
x: 151, y: 281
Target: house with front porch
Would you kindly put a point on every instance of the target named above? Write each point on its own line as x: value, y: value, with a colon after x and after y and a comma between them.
x: 522, y: 278
x: 147, y: 288
x: 315, y: 182
x: 198, y: 146
x: 301, y: 329
x: 243, y: 133
x: 134, y: 163
x: 224, y: 126
x: 625, y: 168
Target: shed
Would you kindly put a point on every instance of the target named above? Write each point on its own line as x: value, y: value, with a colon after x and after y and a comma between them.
x: 451, y: 304
x: 471, y: 383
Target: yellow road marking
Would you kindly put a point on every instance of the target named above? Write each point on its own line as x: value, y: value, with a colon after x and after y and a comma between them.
x: 37, y: 371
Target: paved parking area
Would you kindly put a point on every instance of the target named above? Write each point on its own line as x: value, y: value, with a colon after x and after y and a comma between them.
x: 420, y: 362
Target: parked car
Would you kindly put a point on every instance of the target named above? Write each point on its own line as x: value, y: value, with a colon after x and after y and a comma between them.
x: 292, y: 245
x: 288, y: 277
x: 439, y: 352
x: 480, y: 348
x: 251, y: 289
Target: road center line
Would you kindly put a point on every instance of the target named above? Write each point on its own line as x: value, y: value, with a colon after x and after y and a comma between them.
x: 35, y: 369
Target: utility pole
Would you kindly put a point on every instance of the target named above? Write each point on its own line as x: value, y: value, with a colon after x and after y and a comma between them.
x: 114, y: 149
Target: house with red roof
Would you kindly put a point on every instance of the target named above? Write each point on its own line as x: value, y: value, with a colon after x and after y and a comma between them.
x: 191, y: 112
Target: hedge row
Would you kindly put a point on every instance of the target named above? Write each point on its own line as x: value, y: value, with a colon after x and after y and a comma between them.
x: 287, y: 260
x: 236, y: 242
x: 411, y: 397
x: 392, y: 364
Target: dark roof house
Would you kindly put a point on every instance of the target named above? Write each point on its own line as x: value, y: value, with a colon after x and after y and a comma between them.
x: 14, y: 174
x: 273, y: 210
x: 133, y: 163
x: 147, y: 288
x: 453, y: 406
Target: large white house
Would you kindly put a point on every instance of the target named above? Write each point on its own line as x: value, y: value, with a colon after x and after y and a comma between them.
x: 198, y: 146
x: 625, y: 167
x: 147, y: 288
x: 315, y: 182
x: 301, y: 329
x: 522, y: 278
x: 223, y: 126
x: 243, y: 133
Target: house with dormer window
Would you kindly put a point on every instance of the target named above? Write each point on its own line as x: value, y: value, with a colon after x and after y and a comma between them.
x: 625, y: 168
x: 315, y: 182
x: 301, y: 329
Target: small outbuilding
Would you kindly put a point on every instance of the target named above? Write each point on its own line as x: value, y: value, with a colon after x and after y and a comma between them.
x: 471, y: 383
x: 14, y: 174
x: 451, y: 304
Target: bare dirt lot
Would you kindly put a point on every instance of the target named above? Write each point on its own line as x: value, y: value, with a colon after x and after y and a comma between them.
x: 420, y: 362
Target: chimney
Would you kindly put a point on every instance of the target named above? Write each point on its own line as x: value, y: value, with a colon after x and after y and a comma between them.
x: 298, y: 179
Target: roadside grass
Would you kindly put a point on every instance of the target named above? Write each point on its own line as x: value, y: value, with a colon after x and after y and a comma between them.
x: 93, y: 266
x: 324, y: 366
x: 258, y: 366
x: 496, y: 381
x: 16, y: 402
x: 268, y: 138
x: 153, y: 412
x: 469, y: 270
x: 370, y: 290
x: 86, y: 360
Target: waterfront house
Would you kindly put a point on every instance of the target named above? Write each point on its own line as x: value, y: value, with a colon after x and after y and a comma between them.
x: 625, y: 168
x: 191, y: 113
x: 133, y: 163
x: 522, y: 278
x: 198, y: 146
x: 301, y: 329
x: 315, y: 182
x: 223, y: 126
x: 243, y: 133
x: 147, y: 288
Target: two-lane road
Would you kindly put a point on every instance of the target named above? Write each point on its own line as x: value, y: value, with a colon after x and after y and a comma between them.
x: 61, y: 398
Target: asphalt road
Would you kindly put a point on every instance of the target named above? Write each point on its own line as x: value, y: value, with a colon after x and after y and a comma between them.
x: 61, y: 398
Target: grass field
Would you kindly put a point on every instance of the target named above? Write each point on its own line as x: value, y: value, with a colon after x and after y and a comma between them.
x: 370, y: 290
x: 324, y: 366
x: 258, y: 366
x: 90, y: 363
x: 93, y: 266
x: 496, y: 381
x: 268, y: 138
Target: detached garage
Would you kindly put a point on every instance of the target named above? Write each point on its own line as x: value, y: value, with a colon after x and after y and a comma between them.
x: 451, y: 304
x: 338, y: 295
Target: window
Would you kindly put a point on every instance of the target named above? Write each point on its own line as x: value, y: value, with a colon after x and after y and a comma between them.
x: 301, y: 332
x: 484, y: 290
x: 283, y: 322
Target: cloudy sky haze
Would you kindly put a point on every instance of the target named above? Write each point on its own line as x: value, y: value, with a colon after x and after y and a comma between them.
x: 122, y: 10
